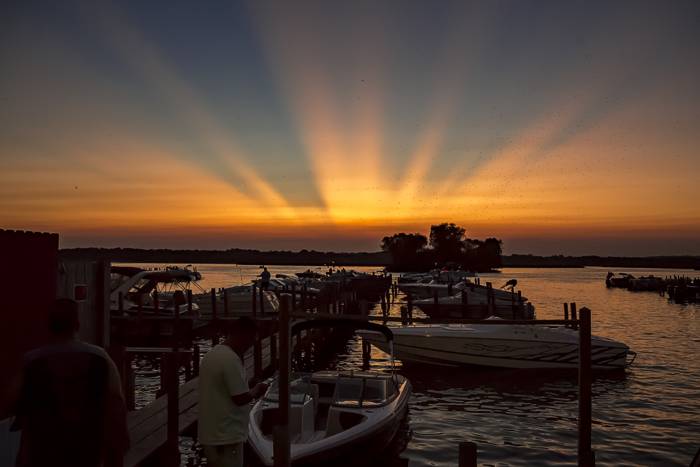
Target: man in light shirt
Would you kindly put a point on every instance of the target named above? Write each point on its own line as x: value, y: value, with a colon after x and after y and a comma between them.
x: 225, y: 397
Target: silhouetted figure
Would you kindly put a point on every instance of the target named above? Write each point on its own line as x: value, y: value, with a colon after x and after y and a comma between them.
x: 70, y: 405
x: 510, y: 284
x: 224, y: 397
x: 265, y: 279
x: 179, y: 301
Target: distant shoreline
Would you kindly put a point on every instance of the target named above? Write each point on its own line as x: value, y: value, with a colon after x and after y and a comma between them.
x: 370, y: 259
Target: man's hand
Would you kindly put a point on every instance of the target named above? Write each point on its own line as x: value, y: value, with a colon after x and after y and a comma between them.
x: 258, y: 390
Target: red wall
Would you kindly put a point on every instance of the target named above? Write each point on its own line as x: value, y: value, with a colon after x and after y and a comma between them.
x: 28, y: 271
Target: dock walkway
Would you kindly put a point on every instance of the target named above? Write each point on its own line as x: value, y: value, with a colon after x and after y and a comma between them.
x: 148, y: 427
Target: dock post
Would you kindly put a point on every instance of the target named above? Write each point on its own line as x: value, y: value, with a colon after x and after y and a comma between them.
x: 139, y: 306
x: 195, y: 359
x: 273, y: 348
x: 213, y: 304
x: 281, y: 446
x: 257, y: 356
x: 254, y: 300
x: 467, y: 454
x: 294, y: 297
x: 566, y: 312
x: 573, y: 315
x: 262, y: 301
x: 404, y: 316
x: 172, y: 445
x: 363, y: 308
x: 586, y: 457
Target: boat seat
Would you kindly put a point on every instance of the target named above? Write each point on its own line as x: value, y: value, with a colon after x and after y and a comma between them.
x: 301, y: 420
x: 340, y: 420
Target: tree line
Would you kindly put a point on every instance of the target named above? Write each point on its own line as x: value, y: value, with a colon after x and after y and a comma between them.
x: 446, y: 245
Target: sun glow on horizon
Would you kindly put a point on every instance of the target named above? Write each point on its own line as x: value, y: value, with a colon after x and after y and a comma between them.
x: 375, y: 137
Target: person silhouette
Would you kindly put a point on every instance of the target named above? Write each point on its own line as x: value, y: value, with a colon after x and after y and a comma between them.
x: 69, y: 406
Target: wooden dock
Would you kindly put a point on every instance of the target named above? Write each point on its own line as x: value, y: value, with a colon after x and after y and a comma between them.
x: 148, y: 427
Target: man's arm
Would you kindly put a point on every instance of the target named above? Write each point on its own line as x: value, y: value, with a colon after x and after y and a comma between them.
x: 248, y: 396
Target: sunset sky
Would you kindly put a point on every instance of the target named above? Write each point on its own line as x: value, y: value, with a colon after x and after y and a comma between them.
x: 560, y: 127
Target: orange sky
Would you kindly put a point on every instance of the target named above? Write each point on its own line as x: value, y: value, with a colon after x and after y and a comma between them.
x: 563, y: 141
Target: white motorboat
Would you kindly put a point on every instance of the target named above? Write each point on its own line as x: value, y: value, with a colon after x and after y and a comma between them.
x: 239, y: 299
x: 468, y: 299
x: 505, y: 346
x: 333, y: 415
x: 139, y: 289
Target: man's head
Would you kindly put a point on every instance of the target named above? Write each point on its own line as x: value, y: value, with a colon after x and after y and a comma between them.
x: 242, y: 332
x: 63, y: 318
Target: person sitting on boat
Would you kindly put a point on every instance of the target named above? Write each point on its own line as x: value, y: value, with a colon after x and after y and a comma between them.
x: 69, y: 403
x: 225, y: 396
x: 265, y: 278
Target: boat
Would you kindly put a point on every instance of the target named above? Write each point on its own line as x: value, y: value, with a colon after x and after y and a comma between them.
x: 239, y: 299
x: 502, y: 346
x: 136, y: 290
x: 622, y: 280
x: 472, y: 301
x: 333, y: 414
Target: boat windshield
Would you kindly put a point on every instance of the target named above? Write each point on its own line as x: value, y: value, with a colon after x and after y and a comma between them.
x: 300, y: 389
x: 362, y: 392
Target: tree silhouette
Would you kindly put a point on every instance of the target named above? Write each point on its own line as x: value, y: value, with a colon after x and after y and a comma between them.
x: 447, y: 241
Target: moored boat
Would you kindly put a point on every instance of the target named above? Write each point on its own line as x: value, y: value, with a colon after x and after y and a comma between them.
x: 334, y: 415
x: 504, y: 346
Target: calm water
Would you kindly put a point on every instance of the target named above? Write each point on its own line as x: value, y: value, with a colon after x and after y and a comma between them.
x: 649, y: 416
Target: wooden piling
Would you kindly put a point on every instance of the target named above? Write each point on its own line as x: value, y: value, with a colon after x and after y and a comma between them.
x: 586, y: 457
x: 172, y: 445
x: 281, y: 441
x: 195, y: 359
x: 213, y: 304
x: 467, y: 454
x: 573, y: 315
x: 262, y: 301
x: 566, y: 312
x: 294, y: 297
x: 254, y: 300
x: 139, y: 306
x: 156, y: 302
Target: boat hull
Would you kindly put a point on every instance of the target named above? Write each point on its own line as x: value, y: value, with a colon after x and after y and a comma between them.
x: 502, y: 352
x: 359, y: 442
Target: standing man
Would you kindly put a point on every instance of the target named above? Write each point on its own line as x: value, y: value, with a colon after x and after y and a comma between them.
x: 69, y: 403
x: 225, y: 397
x: 265, y: 278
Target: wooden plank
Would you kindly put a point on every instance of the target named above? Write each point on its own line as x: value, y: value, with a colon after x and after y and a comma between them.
x: 148, y: 426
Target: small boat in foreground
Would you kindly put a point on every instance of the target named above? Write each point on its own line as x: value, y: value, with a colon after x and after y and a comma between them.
x: 504, y: 346
x: 334, y: 415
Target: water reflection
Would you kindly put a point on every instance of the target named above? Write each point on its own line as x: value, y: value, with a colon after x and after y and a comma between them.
x: 649, y: 415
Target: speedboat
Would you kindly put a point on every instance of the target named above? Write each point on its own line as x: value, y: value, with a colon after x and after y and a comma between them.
x: 333, y: 414
x: 469, y: 299
x: 139, y: 289
x: 504, y: 346
x: 239, y: 299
